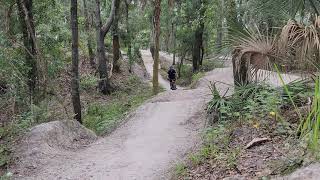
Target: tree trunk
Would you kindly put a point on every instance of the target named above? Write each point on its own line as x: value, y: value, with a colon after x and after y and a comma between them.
x: 181, y: 63
x: 41, y: 64
x: 157, y: 12
x: 115, y: 39
x: 103, y: 84
x: 75, y: 94
x: 167, y: 40
x: 30, y: 50
x: 129, y: 36
x: 196, y: 53
x: 89, y: 37
x: 198, y: 44
x: 174, y: 43
x: 152, y: 35
x: 202, y: 54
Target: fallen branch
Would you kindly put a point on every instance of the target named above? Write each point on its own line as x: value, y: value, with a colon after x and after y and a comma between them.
x: 256, y: 142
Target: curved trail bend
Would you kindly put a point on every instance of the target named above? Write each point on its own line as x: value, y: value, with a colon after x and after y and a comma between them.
x: 157, y: 135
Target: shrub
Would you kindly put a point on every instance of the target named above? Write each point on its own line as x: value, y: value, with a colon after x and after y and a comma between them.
x: 209, y: 65
x: 249, y: 101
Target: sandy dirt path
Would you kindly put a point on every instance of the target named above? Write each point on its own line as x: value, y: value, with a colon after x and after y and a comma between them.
x: 148, y: 63
x: 157, y: 136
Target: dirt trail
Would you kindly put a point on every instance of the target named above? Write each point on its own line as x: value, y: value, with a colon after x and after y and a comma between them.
x: 154, y: 139
x: 148, y: 63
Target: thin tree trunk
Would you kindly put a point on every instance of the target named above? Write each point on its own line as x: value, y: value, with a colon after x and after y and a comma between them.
x: 42, y: 66
x: 198, y: 44
x: 115, y: 40
x: 174, y: 43
x: 157, y: 12
x: 152, y: 35
x: 167, y: 40
x: 127, y: 2
x: 30, y: 50
x: 104, y: 84
x: 89, y: 37
x: 196, y: 53
x: 37, y: 75
x: 116, y: 53
x: 174, y: 53
x: 202, y: 54
x: 181, y: 63
x: 75, y: 62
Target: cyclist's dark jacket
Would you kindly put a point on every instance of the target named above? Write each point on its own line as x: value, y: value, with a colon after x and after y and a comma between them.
x: 172, y: 74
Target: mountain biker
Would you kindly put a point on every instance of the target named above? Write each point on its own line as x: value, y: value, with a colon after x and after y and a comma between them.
x: 172, y: 78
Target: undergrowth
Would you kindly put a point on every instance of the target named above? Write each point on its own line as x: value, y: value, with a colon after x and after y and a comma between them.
x: 188, y: 78
x: 259, y: 109
x: 88, y: 82
x: 103, y: 117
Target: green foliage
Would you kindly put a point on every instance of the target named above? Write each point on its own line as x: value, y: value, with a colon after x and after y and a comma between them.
x: 310, y: 125
x: 297, y: 92
x: 180, y: 170
x: 188, y: 78
x: 215, y: 147
x: 88, y: 82
x: 195, y: 78
x: 248, y: 102
x: 186, y: 74
x: 209, y: 65
x: 104, y: 117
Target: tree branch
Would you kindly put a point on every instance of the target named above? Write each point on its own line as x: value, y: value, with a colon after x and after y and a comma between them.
x: 106, y: 27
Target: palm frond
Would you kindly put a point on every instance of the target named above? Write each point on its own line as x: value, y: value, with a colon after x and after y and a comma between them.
x: 257, y: 51
x: 303, y: 39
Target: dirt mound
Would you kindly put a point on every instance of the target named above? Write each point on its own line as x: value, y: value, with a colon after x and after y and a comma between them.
x: 48, y: 140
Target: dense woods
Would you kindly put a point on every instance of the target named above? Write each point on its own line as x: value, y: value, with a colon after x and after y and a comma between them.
x: 77, y: 60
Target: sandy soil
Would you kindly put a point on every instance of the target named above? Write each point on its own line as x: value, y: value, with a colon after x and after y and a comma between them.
x: 157, y: 136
